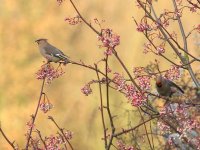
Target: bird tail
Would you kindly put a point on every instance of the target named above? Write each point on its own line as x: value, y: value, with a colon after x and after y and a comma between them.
x: 65, y: 59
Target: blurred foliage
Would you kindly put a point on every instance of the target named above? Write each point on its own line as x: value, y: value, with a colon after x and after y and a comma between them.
x: 24, y: 21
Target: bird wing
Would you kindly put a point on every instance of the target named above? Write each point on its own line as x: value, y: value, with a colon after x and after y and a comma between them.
x: 176, y: 86
x: 51, y: 50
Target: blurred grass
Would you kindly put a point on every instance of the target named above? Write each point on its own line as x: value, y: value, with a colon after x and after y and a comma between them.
x: 22, y: 22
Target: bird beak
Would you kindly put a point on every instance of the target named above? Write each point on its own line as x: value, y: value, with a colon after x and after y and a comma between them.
x: 36, y: 41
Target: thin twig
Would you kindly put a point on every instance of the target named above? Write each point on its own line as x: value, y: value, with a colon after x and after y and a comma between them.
x: 108, y: 105
x: 101, y: 108
x: 40, y: 136
x: 6, y: 138
x: 137, y: 126
x: 35, y: 115
x: 145, y: 128
x: 185, y: 45
x: 89, y: 25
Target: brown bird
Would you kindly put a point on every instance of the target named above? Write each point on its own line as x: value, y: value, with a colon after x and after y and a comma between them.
x: 51, y: 53
x: 166, y: 87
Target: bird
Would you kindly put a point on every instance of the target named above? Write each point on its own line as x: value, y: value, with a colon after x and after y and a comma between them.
x: 166, y: 87
x: 51, y: 53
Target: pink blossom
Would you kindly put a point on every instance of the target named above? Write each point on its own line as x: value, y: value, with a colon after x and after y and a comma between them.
x: 49, y: 73
x: 193, y: 9
x: 178, y: 13
x: 160, y: 49
x: 73, y: 20
x: 163, y: 127
x: 136, y: 98
x: 68, y: 135
x: 45, y: 107
x: 143, y: 27
x: 86, y: 90
x: 109, y: 39
x: 53, y: 142
x: 109, y: 70
x: 30, y: 124
x: 173, y: 73
x: 109, y: 51
x: 119, y: 81
x: 144, y: 82
x: 122, y: 146
x: 138, y: 71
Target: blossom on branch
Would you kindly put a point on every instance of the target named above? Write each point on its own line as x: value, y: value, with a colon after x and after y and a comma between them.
x: 144, y: 82
x: 143, y: 27
x: 48, y: 72
x: 122, y: 146
x: 45, y: 107
x: 73, y: 20
x: 68, y: 134
x: 136, y: 97
x: 173, y: 73
x: 86, y: 89
x: 119, y: 81
x: 109, y: 40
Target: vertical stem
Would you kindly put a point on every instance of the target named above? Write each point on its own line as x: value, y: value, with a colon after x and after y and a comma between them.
x: 34, y: 116
x: 185, y: 45
x: 101, y: 108
x: 108, y: 106
x: 145, y: 129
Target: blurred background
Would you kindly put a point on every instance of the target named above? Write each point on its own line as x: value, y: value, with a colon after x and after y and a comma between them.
x: 24, y: 21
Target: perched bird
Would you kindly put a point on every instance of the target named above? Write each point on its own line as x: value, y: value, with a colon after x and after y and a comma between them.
x: 166, y: 87
x: 51, y: 53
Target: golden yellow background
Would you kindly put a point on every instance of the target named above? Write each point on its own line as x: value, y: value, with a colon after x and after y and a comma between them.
x: 24, y: 21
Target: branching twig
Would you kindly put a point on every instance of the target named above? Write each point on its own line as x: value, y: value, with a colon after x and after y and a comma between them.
x: 61, y: 130
x: 137, y: 126
x: 6, y: 138
x: 40, y: 136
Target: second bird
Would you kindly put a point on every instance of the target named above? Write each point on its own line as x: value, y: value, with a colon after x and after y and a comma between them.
x: 51, y: 53
x: 166, y: 87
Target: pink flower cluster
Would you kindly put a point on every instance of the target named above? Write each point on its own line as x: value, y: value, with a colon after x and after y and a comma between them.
x: 164, y: 128
x: 137, y: 71
x: 68, y: 134
x: 109, y: 40
x: 30, y: 124
x: 136, y: 98
x: 144, y: 82
x: 45, y: 107
x: 122, y: 146
x: 49, y: 73
x: 86, y: 89
x: 143, y: 27
x: 54, y: 142
x: 119, y: 81
x: 160, y: 50
x: 73, y: 20
x: 173, y: 73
